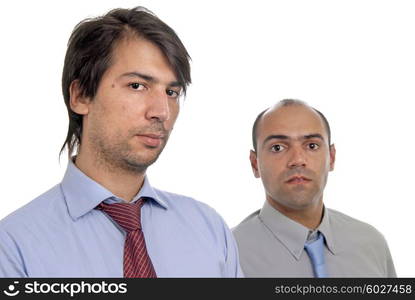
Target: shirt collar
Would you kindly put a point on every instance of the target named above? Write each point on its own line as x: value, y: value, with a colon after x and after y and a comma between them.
x: 325, y: 229
x: 83, y: 194
x: 291, y: 234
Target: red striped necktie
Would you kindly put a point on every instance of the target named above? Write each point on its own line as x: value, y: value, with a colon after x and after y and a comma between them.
x: 137, y: 263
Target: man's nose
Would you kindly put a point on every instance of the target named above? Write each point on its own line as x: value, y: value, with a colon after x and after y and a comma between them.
x: 158, y: 105
x: 297, y: 158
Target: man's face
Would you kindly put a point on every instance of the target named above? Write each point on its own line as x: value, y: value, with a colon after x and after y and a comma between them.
x: 128, y: 122
x: 293, y: 157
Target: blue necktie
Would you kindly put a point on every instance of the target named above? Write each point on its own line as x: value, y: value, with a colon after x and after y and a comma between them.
x: 315, y: 250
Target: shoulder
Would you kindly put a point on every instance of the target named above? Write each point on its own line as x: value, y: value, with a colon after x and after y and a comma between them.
x: 360, y: 239
x: 175, y: 201
x: 357, y: 229
x: 247, y: 226
x: 36, y: 211
x: 340, y: 219
x: 190, y: 207
x: 198, y: 218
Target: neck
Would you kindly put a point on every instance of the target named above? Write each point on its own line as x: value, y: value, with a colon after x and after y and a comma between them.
x: 309, y: 217
x: 122, y: 183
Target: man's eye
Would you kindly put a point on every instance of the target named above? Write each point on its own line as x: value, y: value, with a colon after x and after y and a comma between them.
x: 136, y: 86
x: 313, y: 146
x: 277, y: 148
x: 172, y: 93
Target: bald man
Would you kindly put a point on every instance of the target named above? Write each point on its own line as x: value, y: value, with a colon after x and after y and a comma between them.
x: 294, y: 234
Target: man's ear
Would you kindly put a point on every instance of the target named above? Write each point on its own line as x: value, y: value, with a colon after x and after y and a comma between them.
x: 254, y: 163
x: 78, y: 103
x: 332, y: 150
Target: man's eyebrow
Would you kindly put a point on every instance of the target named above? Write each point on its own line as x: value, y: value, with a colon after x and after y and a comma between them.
x: 175, y: 84
x: 150, y: 78
x: 275, y: 136
x: 313, y: 135
x: 141, y: 75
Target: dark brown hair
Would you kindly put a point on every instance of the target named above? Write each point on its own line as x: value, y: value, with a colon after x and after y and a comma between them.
x: 89, y: 52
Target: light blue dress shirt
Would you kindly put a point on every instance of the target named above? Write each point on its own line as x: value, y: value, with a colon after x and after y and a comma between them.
x: 60, y: 234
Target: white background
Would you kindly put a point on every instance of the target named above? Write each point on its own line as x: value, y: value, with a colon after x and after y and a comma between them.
x: 353, y: 60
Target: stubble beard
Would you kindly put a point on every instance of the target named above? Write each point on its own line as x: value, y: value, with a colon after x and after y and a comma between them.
x: 301, y: 197
x: 120, y: 156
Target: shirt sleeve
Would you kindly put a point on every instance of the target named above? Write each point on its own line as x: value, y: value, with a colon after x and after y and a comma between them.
x: 11, y: 263
x: 390, y: 267
x: 232, y: 266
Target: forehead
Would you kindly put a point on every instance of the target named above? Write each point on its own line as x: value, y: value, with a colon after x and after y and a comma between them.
x: 134, y: 54
x: 294, y: 121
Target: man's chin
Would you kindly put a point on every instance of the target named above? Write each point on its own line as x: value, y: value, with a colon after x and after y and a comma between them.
x: 305, y: 202
x: 138, y: 165
x: 298, y: 200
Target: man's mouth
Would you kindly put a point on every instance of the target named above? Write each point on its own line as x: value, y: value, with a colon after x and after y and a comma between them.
x: 298, y: 180
x: 151, y: 139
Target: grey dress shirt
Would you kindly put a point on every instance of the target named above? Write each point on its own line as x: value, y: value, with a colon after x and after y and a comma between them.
x: 272, y: 245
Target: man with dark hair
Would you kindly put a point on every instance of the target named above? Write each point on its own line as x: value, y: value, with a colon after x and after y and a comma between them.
x: 294, y: 234
x: 123, y: 77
